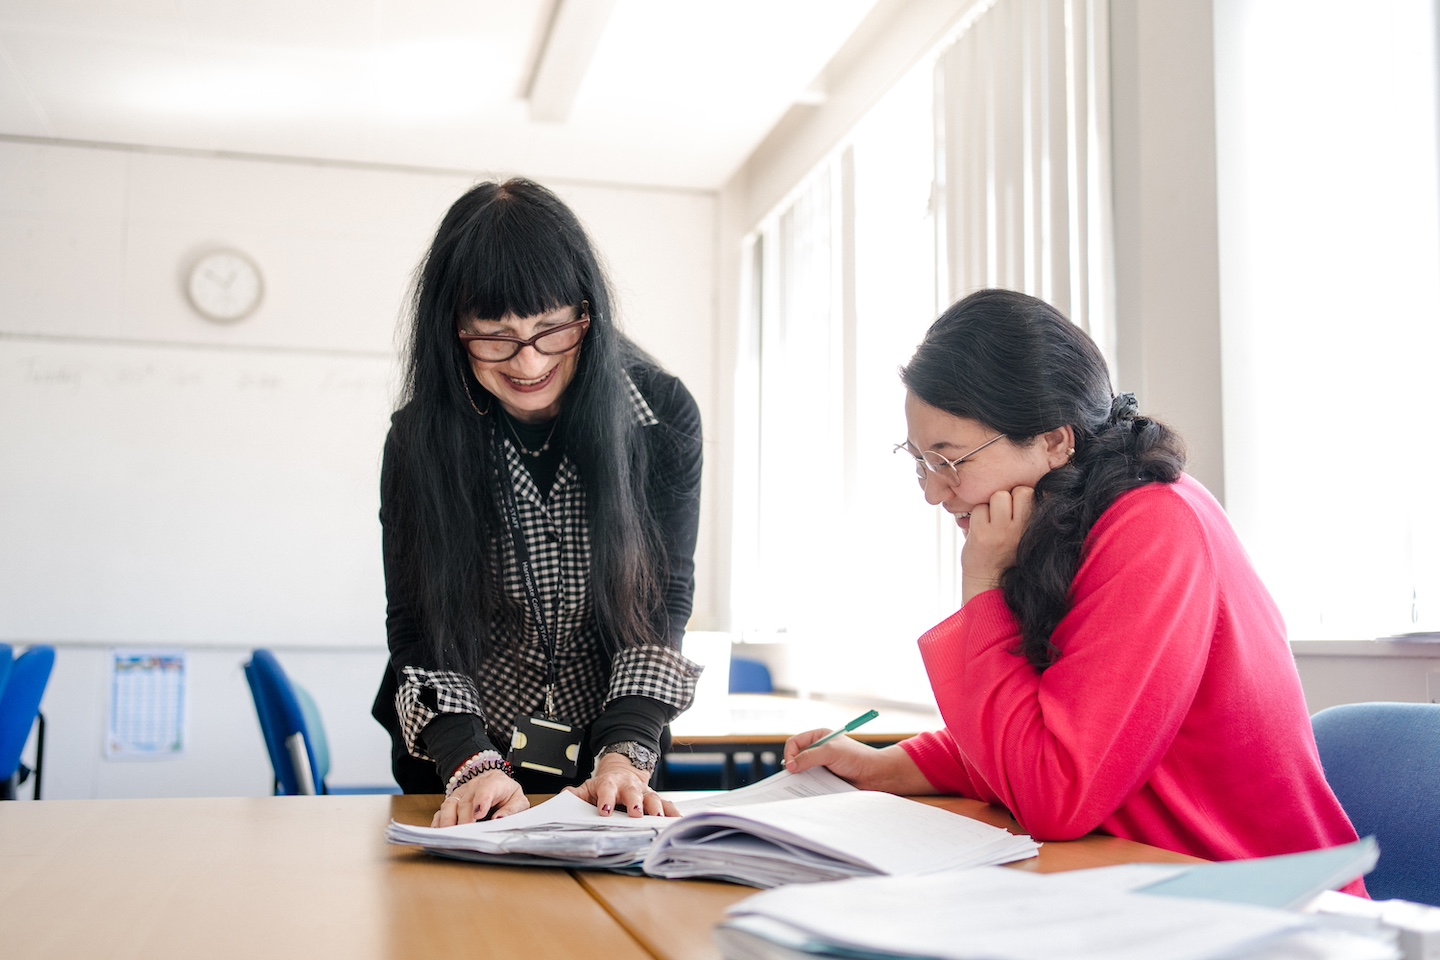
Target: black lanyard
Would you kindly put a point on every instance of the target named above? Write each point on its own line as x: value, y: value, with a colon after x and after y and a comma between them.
x: 527, y: 571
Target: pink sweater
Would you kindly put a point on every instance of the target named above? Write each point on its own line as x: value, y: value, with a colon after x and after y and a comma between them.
x: 1173, y: 716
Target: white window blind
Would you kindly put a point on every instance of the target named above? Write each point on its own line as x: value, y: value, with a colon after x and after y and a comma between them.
x: 1023, y: 113
x: 835, y: 550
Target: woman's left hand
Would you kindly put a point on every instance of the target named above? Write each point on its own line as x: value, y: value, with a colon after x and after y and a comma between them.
x: 993, y: 538
x: 617, y: 783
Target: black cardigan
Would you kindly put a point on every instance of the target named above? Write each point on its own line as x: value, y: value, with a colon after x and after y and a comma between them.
x: 673, y: 489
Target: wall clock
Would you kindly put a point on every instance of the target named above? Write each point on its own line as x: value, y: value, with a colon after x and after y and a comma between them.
x: 224, y: 286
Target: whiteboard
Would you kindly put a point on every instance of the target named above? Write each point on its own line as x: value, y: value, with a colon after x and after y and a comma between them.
x: 159, y: 494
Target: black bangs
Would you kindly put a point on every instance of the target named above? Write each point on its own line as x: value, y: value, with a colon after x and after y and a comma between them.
x: 517, y: 251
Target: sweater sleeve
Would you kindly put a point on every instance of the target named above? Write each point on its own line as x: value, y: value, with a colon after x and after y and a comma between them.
x: 1063, y: 749
x: 939, y: 760
x: 672, y: 484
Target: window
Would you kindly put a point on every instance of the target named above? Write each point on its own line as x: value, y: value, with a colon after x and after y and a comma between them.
x: 837, y: 555
x: 1330, y: 297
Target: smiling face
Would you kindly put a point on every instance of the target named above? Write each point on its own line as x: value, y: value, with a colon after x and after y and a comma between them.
x: 530, y: 385
x: 1000, y: 466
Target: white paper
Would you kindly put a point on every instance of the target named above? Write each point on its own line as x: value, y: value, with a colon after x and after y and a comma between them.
x: 823, y: 837
x: 565, y: 827
x: 815, y: 782
x: 819, y: 828
x: 1012, y: 915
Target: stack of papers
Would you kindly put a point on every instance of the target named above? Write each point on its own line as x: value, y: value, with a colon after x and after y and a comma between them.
x: 1106, y: 913
x: 854, y: 834
x: 789, y: 828
x: 564, y: 831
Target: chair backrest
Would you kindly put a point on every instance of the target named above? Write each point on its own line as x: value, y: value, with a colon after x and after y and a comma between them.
x: 282, y: 722
x: 749, y: 676
x: 315, y: 731
x: 7, y: 660
x: 1383, y: 762
x: 20, y: 704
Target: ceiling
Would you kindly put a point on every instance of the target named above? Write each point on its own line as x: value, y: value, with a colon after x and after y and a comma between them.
x: 656, y: 92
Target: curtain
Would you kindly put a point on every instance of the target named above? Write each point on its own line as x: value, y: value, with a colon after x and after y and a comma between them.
x: 798, y: 369
x: 1023, y: 125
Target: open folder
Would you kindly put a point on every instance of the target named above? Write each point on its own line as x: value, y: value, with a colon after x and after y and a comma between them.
x: 787, y: 828
x: 858, y: 833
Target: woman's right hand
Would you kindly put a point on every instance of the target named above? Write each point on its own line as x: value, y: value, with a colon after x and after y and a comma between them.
x: 889, y: 769
x: 492, y: 794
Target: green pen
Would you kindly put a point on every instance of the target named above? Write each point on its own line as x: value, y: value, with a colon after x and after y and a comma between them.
x: 859, y: 721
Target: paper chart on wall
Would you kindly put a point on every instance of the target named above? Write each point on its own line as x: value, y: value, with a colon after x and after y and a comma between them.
x: 147, y: 704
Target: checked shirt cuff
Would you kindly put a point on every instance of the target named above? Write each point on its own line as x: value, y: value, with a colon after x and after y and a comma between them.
x: 425, y: 695
x: 657, y: 672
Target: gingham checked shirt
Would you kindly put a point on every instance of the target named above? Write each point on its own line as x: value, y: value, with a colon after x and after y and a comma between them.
x: 512, y: 680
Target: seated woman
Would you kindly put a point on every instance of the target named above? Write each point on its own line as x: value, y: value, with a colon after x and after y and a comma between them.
x: 1116, y: 664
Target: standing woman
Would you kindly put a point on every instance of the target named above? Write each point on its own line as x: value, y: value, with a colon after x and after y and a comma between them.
x: 1116, y: 664
x: 540, y: 501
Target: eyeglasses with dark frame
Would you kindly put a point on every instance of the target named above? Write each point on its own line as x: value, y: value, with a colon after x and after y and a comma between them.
x: 559, y: 340
x: 943, y: 467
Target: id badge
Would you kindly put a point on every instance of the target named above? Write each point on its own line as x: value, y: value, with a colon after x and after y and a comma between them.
x: 546, y: 746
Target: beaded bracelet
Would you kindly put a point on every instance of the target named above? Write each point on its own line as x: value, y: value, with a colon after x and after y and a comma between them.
x: 480, y: 763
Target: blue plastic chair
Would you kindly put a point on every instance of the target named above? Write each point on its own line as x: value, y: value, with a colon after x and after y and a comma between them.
x: 19, y: 712
x: 293, y: 731
x: 749, y: 676
x: 1383, y: 762
x: 7, y: 660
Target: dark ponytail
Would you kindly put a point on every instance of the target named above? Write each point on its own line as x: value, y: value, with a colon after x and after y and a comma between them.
x: 1018, y: 366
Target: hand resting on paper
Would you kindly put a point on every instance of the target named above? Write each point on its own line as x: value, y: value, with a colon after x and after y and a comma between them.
x: 489, y: 796
x: 888, y: 769
x: 616, y: 783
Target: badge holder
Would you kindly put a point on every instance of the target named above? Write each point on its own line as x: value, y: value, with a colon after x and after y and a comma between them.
x: 546, y: 746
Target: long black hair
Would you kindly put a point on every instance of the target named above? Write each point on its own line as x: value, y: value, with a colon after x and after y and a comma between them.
x: 1018, y: 366
x: 513, y: 248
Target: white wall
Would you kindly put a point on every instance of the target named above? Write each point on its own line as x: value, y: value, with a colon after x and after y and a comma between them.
x: 165, y: 480
x: 1357, y: 671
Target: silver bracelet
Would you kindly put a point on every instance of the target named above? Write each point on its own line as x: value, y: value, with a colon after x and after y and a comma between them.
x: 641, y: 757
x: 482, y: 762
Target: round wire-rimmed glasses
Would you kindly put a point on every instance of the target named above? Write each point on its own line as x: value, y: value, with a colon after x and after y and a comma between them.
x: 489, y: 348
x: 932, y: 462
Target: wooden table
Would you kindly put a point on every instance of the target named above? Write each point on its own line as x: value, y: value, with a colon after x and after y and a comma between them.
x: 271, y: 878
x: 312, y: 877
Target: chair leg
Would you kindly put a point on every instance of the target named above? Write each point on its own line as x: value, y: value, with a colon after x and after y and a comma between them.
x: 39, y: 753
x: 9, y: 788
